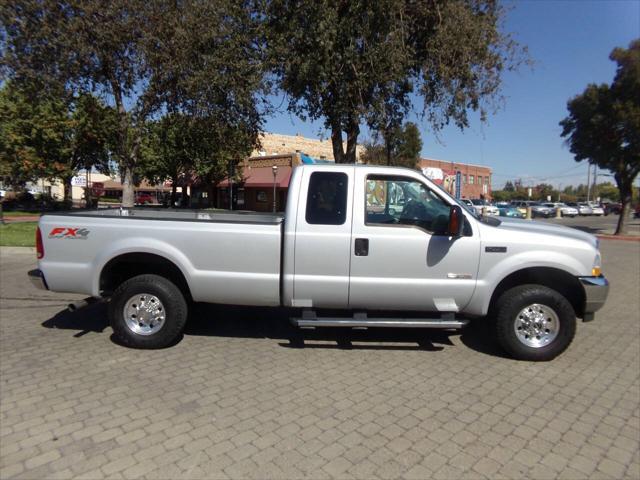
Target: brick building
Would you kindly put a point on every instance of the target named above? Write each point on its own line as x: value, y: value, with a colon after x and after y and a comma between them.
x: 475, y: 179
x: 256, y: 190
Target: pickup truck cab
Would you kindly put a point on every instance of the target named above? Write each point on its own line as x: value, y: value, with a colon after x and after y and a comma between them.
x: 385, y: 246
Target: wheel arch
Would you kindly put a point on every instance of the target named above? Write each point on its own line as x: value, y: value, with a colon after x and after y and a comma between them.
x: 554, y: 278
x: 128, y: 265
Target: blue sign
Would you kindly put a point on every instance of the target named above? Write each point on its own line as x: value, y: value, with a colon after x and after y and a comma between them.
x: 458, y: 184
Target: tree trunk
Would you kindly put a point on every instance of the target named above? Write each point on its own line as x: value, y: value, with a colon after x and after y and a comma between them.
x: 68, y: 190
x: 125, y: 154
x: 626, y: 192
x: 174, y: 187
x: 352, y: 141
x: 336, y: 141
x: 126, y: 176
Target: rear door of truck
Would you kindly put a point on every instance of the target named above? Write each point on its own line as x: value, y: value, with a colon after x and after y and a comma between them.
x: 323, y: 238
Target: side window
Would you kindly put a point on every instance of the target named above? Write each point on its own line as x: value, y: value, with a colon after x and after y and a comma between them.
x: 327, y: 198
x: 404, y: 201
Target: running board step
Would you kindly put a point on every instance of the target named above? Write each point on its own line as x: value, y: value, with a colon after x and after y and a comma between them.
x: 362, y: 321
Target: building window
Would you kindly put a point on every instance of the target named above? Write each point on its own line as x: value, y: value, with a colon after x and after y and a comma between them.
x: 471, y: 179
x: 261, y: 196
x: 486, y: 180
x: 479, y: 179
x: 327, y: 198
x: 464, y: 179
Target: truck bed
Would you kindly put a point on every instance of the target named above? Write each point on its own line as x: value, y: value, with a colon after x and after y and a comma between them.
x: 224, y: 257
x: 181, y: 215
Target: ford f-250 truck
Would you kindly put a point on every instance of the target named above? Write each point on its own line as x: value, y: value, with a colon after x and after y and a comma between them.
x: 383, y: 246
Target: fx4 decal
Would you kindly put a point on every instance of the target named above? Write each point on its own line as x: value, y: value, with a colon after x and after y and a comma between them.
x: 66, y: 232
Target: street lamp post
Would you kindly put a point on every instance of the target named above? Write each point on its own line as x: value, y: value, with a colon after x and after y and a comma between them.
x: 274, y: 169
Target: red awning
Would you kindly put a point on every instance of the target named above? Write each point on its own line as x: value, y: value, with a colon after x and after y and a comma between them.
x: 262, y: 177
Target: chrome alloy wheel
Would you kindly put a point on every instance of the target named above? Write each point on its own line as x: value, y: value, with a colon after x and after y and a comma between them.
x: 144, y: 314
x: 536, y: 325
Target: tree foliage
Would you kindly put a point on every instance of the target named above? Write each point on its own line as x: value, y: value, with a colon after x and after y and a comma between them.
x: 350, y: 63
x: 147, y: 58
x: 400, y: 147
x: 53, y: 137
x: 603, y: 126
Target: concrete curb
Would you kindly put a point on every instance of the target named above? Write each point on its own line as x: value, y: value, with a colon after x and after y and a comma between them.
x: 16, y: 250
x: 620, y: 238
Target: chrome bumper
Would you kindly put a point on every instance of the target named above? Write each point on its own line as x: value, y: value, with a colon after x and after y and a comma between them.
x: 596, y: 290
x: 37, y: 279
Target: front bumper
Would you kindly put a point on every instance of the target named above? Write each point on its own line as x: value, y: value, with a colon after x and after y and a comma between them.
x: 596, y: 290
x: 37, y: 279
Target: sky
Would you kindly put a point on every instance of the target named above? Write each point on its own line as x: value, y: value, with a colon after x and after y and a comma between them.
x: 570, y: 43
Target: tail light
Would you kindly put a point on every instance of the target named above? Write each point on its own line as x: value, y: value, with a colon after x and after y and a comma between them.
x: 39, y: 246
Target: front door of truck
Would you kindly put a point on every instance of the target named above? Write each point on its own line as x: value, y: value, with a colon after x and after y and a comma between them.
x: 397, y: 259
x: 323, y: 239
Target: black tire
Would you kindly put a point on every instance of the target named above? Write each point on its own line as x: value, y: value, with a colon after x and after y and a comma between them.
x: 512, y: 302
x: 173, y: 303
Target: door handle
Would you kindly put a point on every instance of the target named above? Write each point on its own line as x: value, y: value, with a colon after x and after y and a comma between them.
x: 362, y: 247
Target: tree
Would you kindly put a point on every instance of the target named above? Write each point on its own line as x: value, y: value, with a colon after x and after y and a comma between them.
x: 199, y: 58
x: 53, y: 138
x: 166, y: 152
x: 356, y: 62
x: 508, y: 186
x: 603, y: 126
x: 544, y: 190
x: 401, y: 148
x: 30, y: 133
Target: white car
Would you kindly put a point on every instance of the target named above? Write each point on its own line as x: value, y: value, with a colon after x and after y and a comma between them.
x: 596, y: 209
x: 479, y: 205
x: 566, y: 210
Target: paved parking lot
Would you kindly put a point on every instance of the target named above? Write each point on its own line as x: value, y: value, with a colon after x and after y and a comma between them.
x: 243, y: 395
x: 597, y: 225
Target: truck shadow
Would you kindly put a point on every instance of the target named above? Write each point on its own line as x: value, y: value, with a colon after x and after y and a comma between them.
x: 273, y: 323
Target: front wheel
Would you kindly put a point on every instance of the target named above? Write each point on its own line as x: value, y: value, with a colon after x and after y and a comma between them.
x: 534, y: 322
x: 148, y: 311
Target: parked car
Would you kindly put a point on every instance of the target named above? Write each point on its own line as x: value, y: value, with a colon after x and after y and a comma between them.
x: 480, y: 205
x: 143, y: 198
x: 636, y: 212
x: 332, y: 262
x: 509, y: 211
x: 539, y: 210
x: 612, y: 207
x: 566, y: 210
x: 583, y: 208
x: 521, y: 205
x: 596, y: 209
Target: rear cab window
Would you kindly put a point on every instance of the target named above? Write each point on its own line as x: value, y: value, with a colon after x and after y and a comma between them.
x: 327, y: 198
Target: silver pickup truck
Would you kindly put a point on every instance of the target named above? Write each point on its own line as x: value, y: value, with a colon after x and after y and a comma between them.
x: 382, y: 246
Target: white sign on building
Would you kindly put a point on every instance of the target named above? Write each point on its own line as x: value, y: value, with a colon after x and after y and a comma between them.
x: 79, y: 181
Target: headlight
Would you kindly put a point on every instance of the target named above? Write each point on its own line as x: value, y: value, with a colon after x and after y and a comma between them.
x: 596, y: 270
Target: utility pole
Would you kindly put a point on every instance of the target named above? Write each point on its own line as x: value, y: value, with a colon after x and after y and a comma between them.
x: 588, y: 181
x: 595, y: 178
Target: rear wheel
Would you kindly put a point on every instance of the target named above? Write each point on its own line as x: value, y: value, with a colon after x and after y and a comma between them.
x: 534, y: 322
x: 148, y: 311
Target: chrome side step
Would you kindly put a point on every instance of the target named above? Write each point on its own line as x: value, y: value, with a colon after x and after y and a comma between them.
x: 361, y: 320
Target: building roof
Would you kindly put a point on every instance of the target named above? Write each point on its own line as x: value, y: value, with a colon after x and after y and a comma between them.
x: 262, y: 177
x: 451, y: 162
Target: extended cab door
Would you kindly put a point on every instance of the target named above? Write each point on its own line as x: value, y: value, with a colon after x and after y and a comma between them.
x: 397, y: 259
x: 323, y: 238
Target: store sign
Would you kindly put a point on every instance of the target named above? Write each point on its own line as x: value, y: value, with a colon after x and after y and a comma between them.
x: 79, y: 181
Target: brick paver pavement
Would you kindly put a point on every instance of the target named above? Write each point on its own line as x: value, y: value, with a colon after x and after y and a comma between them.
x: 239, y: 398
